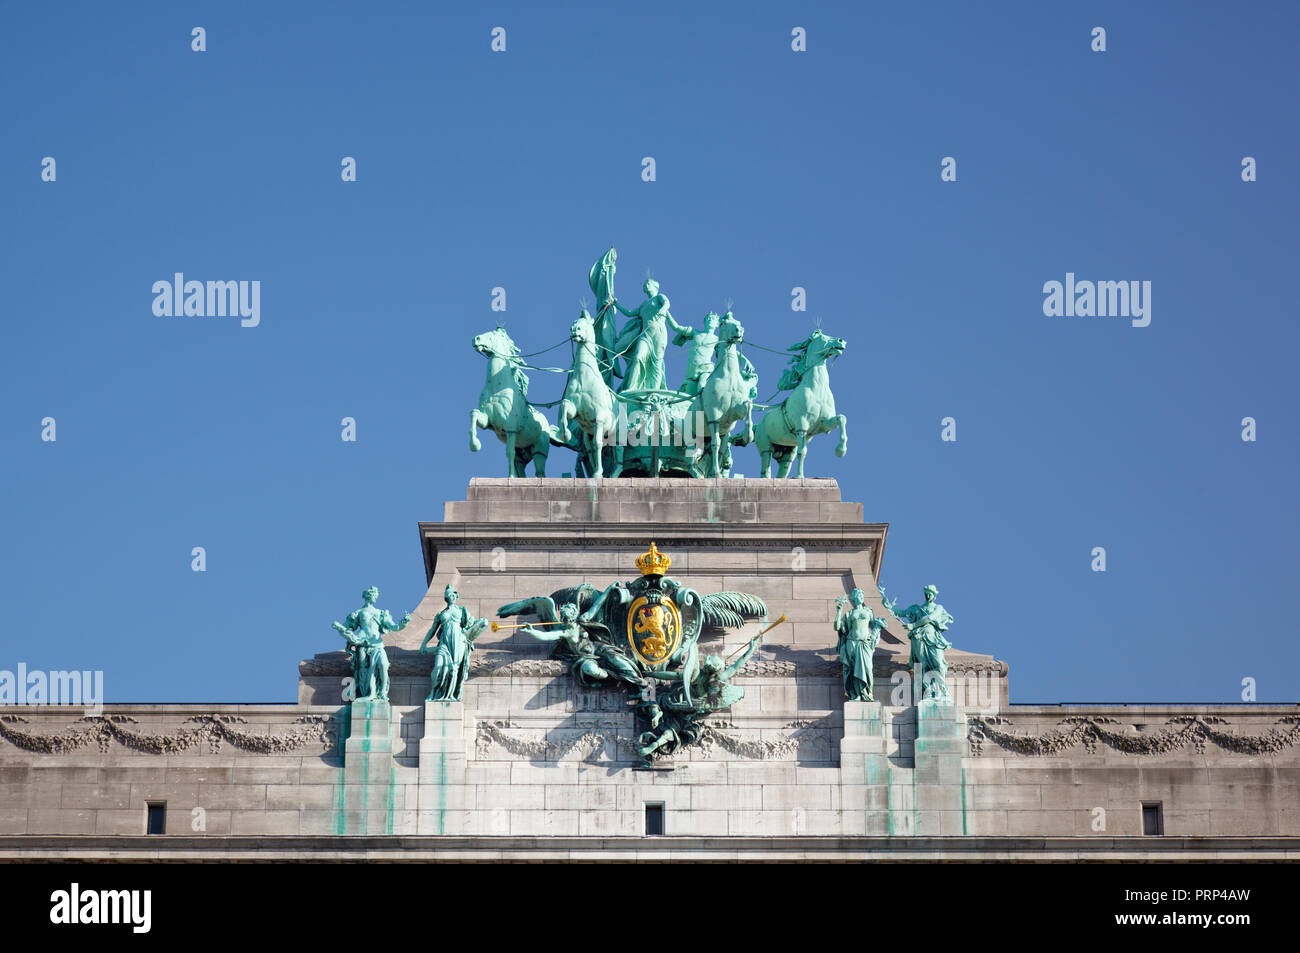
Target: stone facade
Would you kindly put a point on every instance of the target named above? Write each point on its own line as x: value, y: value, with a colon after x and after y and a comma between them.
x: 529, y: 765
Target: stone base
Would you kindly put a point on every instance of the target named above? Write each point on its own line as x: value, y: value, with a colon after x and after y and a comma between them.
x: 368, y: 782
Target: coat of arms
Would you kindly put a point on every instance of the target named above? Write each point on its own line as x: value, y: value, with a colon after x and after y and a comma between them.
x: 644, y: 635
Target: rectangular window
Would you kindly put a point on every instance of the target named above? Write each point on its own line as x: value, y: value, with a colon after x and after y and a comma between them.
x: 654, y: 819
x: 1153, y: 818
x: 157, y: 819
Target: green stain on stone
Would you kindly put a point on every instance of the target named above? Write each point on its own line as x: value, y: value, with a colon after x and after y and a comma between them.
x: 392, y: 797
x: 442, y: 781
x: 916, y: 813
x: 340, y: 806
x: 963, y: 800
x: 889, y: 797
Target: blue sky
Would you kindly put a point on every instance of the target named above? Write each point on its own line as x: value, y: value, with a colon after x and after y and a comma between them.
x: 775, y: 169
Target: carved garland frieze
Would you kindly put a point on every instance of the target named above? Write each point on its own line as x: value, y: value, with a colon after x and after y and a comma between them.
x: 212, y: 730
x: 725, y: 736
x: 1092, y: 731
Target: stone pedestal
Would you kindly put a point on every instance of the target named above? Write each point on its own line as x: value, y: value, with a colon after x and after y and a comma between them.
x: 445, y: 797
x: 369, y: 787
x: 940, y: 748
x: 864, y: 769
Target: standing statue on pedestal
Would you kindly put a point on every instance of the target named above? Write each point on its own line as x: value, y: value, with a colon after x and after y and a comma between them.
x: 925, y: 624
x: 859, y: 631
x: 364, y: 631
x: 456, y: 630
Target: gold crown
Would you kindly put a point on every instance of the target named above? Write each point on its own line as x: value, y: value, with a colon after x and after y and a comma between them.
x: 653, y: 563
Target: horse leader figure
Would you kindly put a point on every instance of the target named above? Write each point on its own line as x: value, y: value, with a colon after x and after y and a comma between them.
x: 503, y: 407
x: 725, y: 397
x: 809, y: 410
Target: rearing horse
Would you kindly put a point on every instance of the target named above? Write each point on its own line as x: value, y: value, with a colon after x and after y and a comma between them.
x: 727, y: 396
x: 503, y: 407
x: 807, y: 411
x: 588, y: 400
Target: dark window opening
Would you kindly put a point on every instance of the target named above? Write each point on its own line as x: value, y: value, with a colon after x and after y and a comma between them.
x: 654, y: 819
x: 157, y: 821
x: 1153, y: 820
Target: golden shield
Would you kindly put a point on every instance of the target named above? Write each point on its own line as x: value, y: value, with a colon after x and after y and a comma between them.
x: 654, y: 629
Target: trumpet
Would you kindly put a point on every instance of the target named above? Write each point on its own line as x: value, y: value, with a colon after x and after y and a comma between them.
x: 497, y: 626
x: 759, y: 636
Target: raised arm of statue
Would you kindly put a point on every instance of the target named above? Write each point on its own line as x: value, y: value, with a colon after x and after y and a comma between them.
x: 386, y: 624
x: 626, y: 313
x: 683, y: 332
x: 730, y: 671
x: 546, y: 635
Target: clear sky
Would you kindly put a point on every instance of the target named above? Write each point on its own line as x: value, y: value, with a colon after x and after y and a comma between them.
x: 775, y: 169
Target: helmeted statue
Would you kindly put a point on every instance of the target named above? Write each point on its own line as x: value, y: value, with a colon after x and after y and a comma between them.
x: 456, y: 630
x: 364, y: 632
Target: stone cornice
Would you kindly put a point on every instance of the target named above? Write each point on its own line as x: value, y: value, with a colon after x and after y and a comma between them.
x: 494, y: 849
x: 404, y: 662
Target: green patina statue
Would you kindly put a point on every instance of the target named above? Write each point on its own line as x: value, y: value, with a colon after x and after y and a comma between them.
x: 676, y: 718
x: 644, y: 340
x: 699, y: 360
x: 635, y: 635
x: 588, y: 400
x: 364, y: 632
x: 596, y: 662
x: 504, y: 409
x: 726, y: 397
x: 925, y: 624
x: 859, y: 632
x: 456, y: 630
x: 628, y: 421
x: 784, y: 431
x: 601, y: 280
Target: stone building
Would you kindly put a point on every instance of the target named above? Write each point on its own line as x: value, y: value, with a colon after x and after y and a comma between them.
x: 532, y: 766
